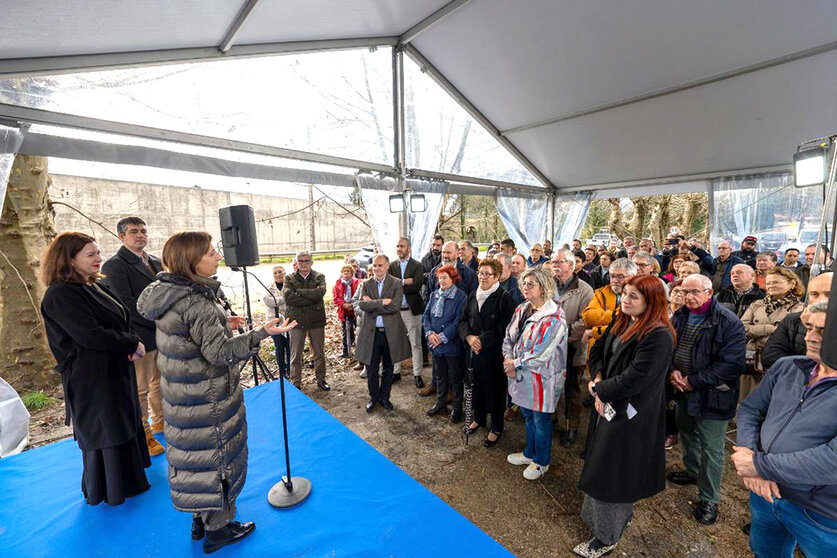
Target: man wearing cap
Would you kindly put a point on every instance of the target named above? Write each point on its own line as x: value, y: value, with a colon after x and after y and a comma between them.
x: 748, y: 251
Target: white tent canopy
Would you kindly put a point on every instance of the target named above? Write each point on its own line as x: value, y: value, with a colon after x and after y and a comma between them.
x: 587, y: 95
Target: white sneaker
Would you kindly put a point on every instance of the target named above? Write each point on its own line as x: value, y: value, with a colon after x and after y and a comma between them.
x: 518, y: 459
x: 363, y: 372
x: 535, y: 471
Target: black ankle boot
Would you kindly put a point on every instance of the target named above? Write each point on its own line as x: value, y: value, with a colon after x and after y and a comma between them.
x: 230, y: 533
x: 197, y: 528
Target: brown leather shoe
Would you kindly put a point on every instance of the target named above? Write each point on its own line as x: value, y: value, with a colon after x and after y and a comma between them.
x: 450, y: 397
x: 358, y: 366
x: 154, y: 447
x: 427, y: 390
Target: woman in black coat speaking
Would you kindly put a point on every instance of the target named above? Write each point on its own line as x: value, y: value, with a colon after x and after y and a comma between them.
x: 625, y: 456
x: 89, y: 335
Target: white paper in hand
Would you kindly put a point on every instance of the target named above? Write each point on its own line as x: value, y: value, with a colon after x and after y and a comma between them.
x: 631, y: 411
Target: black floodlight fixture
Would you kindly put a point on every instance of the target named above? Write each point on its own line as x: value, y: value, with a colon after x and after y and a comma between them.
x: 810, y: 165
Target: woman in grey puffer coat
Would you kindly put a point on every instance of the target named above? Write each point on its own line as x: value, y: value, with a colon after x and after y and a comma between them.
x: 203, y: 405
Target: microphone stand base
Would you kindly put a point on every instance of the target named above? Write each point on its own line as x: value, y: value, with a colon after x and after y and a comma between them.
x: 280, y: 497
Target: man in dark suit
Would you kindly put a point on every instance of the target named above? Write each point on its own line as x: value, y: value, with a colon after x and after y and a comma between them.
x: 381, y: 333
x: 127, y: 273
x: 411, y: 274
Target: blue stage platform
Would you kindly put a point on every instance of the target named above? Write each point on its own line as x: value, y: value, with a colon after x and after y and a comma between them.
x: 361, y: 504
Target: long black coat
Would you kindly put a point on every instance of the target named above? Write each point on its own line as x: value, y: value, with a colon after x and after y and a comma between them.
x: 412, y: 292
x: 625, y: 459
x: 127, y: 276
x: 489, y: 324
x: 787, y: 340
x: 91, y: 340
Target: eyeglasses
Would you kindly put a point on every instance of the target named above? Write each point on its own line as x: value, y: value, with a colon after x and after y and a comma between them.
x: 561, y: 261
x: 642, y: 264
x: 693, y: 292
x: 618, y: 277
x: 303, y: 261
x: 528, y: 284
x: 484, y: 274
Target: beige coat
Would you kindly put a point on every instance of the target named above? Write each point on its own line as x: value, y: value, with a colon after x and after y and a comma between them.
x: 759, y: 326
x: 573, y: 302
x: 399, y: 345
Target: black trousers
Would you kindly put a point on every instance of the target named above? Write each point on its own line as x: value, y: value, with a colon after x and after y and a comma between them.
x: 448, y: 373
x: 490, y: 388
x: 379, y: 390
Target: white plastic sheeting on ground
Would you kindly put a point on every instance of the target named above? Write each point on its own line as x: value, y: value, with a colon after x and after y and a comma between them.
x: 10, y: 140
x: 570, y: 212
x: 386, y: 226
x: 524, y: 216
x: 14, y: 421
x: 768, y: 207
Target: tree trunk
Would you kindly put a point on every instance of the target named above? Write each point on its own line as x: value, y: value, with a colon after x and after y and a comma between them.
x: 637, y: 224
x: 692, y: 204
x: 660, y: 219
x: 26, y: 228
x: 615, y: 219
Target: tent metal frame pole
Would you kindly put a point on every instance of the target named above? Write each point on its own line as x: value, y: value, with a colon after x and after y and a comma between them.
x: 469, y: 107
x: 399, y: 140
x: 710, y: 197
x: 38, y: 116
x: 550, y: 217
x: 237, y: 25
x: 431, y: 20
x: 52, y: 65
x: 448, y: 177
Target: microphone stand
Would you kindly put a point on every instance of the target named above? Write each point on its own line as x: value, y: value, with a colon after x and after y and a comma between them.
x: 290, y: 490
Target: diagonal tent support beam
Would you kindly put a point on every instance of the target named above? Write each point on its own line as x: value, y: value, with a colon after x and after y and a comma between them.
x: 235, y: 28
x: 413, y: 32
x: 52, y: 65
x: 475, y: 113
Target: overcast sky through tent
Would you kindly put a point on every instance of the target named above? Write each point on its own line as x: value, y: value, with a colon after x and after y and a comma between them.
x: 337, y: 103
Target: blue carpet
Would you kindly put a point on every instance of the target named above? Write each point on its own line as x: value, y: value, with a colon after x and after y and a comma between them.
x: 361, y: 503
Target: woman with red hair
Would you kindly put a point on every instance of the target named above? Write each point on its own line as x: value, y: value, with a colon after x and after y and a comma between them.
x: 625, y: 455
x: 441, y: 326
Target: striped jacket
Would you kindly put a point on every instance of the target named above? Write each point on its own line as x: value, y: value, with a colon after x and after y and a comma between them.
x: 539, y: 352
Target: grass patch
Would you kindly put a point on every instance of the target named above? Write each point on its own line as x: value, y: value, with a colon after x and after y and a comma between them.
x: 37, y: 400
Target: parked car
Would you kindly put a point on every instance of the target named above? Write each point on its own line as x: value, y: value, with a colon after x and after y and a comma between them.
x: 364, y: 256
x: 772, y: 241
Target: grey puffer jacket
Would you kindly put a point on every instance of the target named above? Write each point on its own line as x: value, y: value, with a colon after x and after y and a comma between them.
x: 203, y: 405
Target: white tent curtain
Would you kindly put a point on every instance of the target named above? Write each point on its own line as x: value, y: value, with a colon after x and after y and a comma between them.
x: 570, y: 212
x: 10, y: 140
x: 524, y: 216
x: 386, y: 226
x: 768, y: 207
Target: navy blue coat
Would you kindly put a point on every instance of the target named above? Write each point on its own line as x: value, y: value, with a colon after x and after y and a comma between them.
x: 447, y: 323
x: 468, y: 283
x: 718, y: 359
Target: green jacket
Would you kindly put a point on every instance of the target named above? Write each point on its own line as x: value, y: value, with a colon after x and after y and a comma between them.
x: 304, y: 298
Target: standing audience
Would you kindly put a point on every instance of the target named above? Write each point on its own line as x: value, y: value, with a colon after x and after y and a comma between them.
x: 450, y: 256
x: 127, y: 273
x: 508, y: 282
x: 536, y: 256
x: 304, y: 291
x: 765, y: 261
x: 487, y: 313
x: 535, y: 361
x: 432, y: 258
x: 276, y: 307
x: 707, y: 362
x: 625, y: 459
x: 411, y: 274
x: 341, y: 297
x: 743, y: 292
x: 89, y: 333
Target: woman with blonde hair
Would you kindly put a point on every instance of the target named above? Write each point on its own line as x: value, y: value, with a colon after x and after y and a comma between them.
x: 784, y: 296
x: 205, y: 422
x: 89, y: 333
x: 535, y: 361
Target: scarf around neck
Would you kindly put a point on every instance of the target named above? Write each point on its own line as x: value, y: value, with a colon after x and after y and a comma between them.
x: 772, y: 303
x: 482, y: 295
x: 439, y: 307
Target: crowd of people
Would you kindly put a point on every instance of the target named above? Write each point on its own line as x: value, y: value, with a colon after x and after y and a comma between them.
x: 664, y: 347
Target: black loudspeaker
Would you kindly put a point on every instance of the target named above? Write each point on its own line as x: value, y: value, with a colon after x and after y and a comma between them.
x: 238, y: 235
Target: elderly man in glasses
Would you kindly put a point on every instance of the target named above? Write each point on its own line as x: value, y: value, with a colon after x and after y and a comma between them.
x: 707, y: 363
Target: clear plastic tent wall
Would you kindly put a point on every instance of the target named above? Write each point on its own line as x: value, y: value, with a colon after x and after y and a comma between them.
x: 10, y: 140
x: 386, y: 225
x: 769, y: 207
x: 524, y: 216
x: 337, y: 102
x: 570, y: 212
